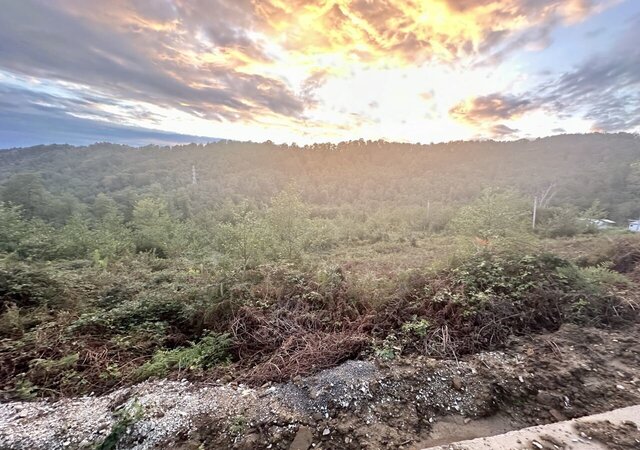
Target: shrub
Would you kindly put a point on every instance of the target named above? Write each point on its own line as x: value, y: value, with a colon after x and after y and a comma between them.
x: 209, y: 351
x: 28, y: 288
x: 494, y: 216
x: 562, y: 222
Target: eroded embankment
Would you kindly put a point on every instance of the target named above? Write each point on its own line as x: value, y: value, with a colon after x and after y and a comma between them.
x: 405, y: 403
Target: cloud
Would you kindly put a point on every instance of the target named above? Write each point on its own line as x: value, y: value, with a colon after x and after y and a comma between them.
x: 502, y: 130
x: 260, y: 63
x: 411, y: 32
x: 605, y: 89
x: 491, y: 108
x: 17, y: 130
x: 120, y: 61
x: 65, y: 120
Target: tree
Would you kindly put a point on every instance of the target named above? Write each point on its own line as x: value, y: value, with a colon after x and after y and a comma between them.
x: 245, y: 238
x: 153, y: 226
x: 595, y: 211
x: 494, y: 216
x: 287, y: 218
x: 13, y: 227
x: 74, y: 239
x: 561, y: 221
x: 104, y: 207
x: 27, y: 191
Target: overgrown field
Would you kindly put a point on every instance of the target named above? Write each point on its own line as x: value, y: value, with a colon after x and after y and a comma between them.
x: 280, y: 261
x: 74, y: 328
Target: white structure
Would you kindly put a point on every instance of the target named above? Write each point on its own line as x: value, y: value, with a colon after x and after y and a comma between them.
x: 634, y: 225
x: 601, y: 224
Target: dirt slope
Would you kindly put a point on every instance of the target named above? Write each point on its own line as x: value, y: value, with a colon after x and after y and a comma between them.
x: 407, y: 403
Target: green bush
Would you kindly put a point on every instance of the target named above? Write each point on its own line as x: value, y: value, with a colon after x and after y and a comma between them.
x: 28, y: 288
x: 210, y: 350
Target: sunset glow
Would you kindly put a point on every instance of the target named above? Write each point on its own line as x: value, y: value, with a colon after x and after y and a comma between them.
x: 324, y: 70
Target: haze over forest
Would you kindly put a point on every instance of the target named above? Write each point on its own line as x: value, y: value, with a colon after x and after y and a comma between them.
x: 296, y: 224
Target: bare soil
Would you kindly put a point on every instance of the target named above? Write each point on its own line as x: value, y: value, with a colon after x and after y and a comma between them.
x: 616, y: 437
x: 407, y: 403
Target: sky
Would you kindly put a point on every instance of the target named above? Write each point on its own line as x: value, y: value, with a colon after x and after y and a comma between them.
x: 303, y: 71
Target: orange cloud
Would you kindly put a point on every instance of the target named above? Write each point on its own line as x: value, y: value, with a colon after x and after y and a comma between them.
x: 490, y: 108
x: 409, y: 32
x: 289, y: 64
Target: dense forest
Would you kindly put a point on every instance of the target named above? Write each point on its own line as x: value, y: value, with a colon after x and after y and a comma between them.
x: 361, y: 176
x: 261, y: 262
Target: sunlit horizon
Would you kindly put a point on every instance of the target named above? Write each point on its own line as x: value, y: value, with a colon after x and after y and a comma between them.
x: 317, y: 71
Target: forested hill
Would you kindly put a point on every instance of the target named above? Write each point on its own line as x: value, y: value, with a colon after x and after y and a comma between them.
x: 356, y: 175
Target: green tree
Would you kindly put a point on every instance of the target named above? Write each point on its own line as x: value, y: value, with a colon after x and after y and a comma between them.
x: 595, y: 211
x: 494, y: 216
x: 104, y: 207
x: 287, y: 218
x: 112, y: 239
x: 74, y: 239
x: 13, y: 227
x: 562, y: 221
x: 245, y: 238
x: 27, y: 191
x: 153, y: 226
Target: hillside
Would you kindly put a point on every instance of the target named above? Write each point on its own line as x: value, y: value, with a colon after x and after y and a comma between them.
x: 171, y: 311
x: 358, y: 174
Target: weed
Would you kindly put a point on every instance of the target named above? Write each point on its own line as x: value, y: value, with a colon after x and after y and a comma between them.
x: 238, y: 425
x: 125, y: 419
x: 25, y: 389
x: 417, y: 327
x: 389, y: 348
x: 211, y: 350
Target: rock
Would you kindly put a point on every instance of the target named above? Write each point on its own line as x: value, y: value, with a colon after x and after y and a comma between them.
x: 249, y: 442
x: 326, y: 432
x: 303, y: 439
x: 226, y: 379
x: 546, y: 398
x: 557, y: 415
x: 317, y: 416
x: 456, y: 382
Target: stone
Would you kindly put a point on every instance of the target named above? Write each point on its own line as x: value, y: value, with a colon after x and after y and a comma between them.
x: 249, y: 442
x: 557, y: 415
x: 456, y: 382
x: 546, y: 398
x: 302, y: 440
